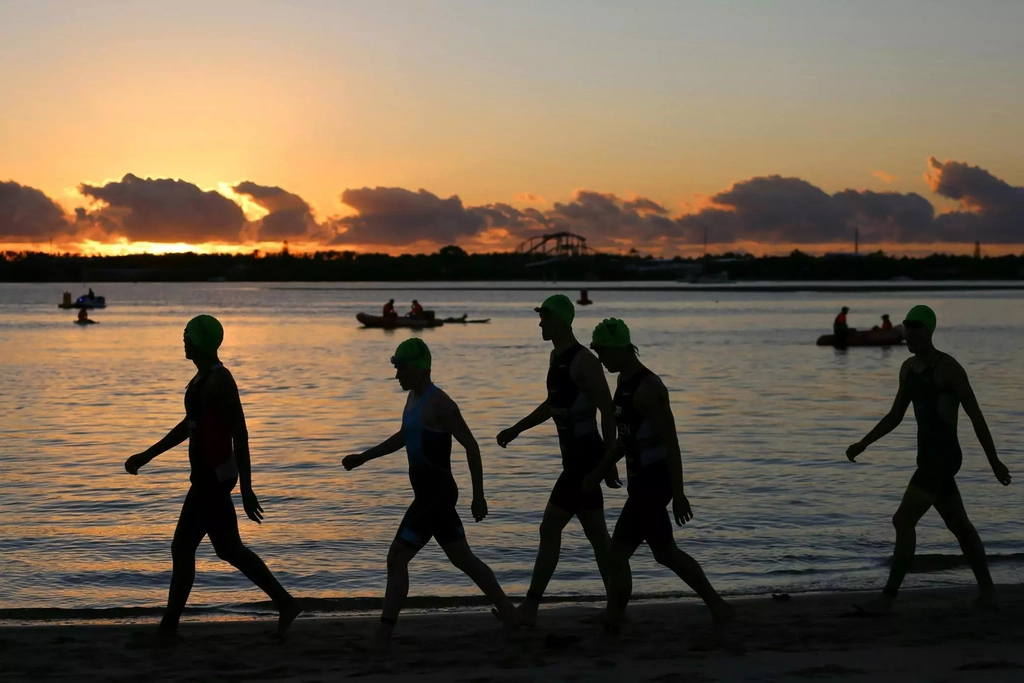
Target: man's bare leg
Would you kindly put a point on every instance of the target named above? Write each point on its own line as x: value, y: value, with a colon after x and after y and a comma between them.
x: 555, y: 519
x: 462, y: 557
x: 399, y: 556
x: 951, y: 508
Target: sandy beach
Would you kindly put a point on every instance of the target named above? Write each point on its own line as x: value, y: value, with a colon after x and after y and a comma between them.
x: 935, y: 635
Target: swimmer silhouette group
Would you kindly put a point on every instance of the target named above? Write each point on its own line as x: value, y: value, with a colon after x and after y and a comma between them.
x: 636, y: 423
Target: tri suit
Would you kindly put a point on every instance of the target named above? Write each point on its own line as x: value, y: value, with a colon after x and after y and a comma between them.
x: 208, y: 508
x: 432, y: 512
x: 575, y: 416
x: 645, y: 516
x: 938, y: 449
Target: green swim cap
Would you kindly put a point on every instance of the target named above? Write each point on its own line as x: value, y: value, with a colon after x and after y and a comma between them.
x: 413, y: 351
x: 921, y: 314
x: 560, y: 305
x: 611, y: 333
x: 206, y: 333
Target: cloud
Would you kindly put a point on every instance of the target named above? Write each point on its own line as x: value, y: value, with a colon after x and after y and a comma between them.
x: 28, y: 215
x: 289, y: 215
x: 769, y: 209
x: 774, y: 209
x: 394, y: 216
x: 606, y: 219
x: 766, y: 210
x: 992, y: 209
x: 529, y: 198
x: 163, y: 210
x: 885, y: 177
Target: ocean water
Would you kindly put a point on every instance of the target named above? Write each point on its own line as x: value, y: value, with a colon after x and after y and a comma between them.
x: 764, y: 417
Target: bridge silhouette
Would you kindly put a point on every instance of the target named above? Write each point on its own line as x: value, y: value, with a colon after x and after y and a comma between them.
x: 556, y: 246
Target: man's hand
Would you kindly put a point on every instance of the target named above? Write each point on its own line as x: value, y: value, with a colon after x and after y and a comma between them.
x: 591, y: 482
x: 252, y: 506
x: 856, y: 449
x: 507, y: 436
x: 1001, y: 472
x: 134, y: 463
x: 612, y: 480
x: 681, y: 509
x: 479, y: 508
x: 350, y: 462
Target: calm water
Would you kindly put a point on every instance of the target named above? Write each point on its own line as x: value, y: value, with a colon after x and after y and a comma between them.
x: 764, y: 418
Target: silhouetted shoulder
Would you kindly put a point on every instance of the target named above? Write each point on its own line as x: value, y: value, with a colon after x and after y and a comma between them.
x: 584, y: 361
x: 905, y: 368
x: 948, y: 370
x: 221, y: 379
x: 441, y: 403
x: 652, y: 391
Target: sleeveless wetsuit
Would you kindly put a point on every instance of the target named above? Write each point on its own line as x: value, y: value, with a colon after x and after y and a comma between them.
x: 938, y: 449
x: 208, y: 508
x: 210, y: 448
x: 432, y: 512
x: 575, y: 416
x: 644, y: 517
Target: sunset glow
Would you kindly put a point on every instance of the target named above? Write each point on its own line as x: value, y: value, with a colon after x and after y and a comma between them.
x: 228, y: 127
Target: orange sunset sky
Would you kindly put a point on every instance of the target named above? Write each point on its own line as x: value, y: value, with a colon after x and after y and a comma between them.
x: 404, y: 126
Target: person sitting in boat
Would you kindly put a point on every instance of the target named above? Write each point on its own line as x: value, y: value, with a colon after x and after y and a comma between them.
x: 886, y: 323
x: 91, y: 295
x: 389, y: 309
x: 839, y: 327
x: 417, y: 311
x: 83, y: 315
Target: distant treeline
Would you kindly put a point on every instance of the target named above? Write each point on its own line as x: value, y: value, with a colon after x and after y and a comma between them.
x: 454, y: 264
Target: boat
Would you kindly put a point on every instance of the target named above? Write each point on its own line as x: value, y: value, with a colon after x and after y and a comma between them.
x: 893, y: 337
x: 464, y: 320
x: 84, y: 301
x: 393, y: 322
x: 86, y: 321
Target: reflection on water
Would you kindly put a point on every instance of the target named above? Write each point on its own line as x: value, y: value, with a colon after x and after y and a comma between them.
x: 764, y: 419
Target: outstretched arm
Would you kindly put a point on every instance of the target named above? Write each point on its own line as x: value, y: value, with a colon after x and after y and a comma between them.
x: 393, y: 443
x: 888, y: 423
x: 589, y: 376
x: 175, y: 437
x: 540, y: 415
x: 962, y: 387
x: 452, y: 421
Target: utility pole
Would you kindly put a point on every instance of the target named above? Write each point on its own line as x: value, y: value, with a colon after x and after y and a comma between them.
x: 856, y: 239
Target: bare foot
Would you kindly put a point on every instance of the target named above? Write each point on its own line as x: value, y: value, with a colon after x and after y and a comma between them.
x: 381, y: 639
x: 876, y: 607
x: 987, y: 600
x: 611, y: 627
x: 600, y: 618
x: 528, y: 612
x: 722, y: 615
x: 526, y: 615
x: 163, y: 636
x: 287, y: 613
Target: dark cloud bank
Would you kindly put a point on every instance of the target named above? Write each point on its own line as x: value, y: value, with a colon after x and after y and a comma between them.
x: 770, y: 209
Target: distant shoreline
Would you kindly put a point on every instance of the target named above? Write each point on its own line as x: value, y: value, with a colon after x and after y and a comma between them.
x: 787, y: 287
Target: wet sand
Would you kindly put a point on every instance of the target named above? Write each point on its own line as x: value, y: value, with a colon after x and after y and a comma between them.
x: 934, y: 635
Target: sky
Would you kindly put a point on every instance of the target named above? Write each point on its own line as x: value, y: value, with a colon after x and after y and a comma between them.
x: 404, y: 126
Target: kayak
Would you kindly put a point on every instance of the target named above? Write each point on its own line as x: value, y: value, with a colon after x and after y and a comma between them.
x: 87, y: 321
x: 84, y: 302
x: 892, y: 337
x: 464, y: 320
x: 392, y: 322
